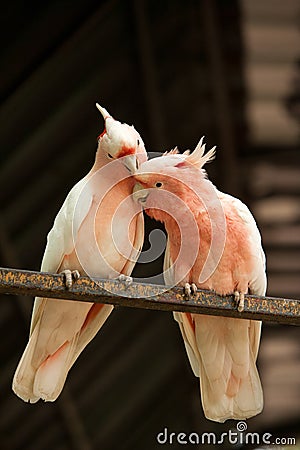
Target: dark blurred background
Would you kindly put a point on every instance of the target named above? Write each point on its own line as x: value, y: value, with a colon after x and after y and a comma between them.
x: 177, y: 70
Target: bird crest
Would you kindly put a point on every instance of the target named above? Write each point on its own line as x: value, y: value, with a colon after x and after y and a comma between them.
x: 103, y: 111
x: 198, y: 157
x: 175, y: 151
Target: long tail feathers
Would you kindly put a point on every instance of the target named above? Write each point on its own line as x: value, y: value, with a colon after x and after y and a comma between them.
x: 24, y: 376
x: 242, y: 399
x: 46, y: 379
x: 222, y: 353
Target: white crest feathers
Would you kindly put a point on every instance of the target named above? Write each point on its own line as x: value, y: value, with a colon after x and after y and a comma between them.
x: 174, y: 151
x: 105, y: 114
x: 198, y: 158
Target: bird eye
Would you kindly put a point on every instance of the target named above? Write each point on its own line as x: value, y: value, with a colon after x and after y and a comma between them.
x: 158, y: 184
x: 138, y: 142
x: 109, y: 155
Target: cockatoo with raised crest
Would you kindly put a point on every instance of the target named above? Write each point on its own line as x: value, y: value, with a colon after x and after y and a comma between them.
x: 99, y: 232
x: 213, y: 243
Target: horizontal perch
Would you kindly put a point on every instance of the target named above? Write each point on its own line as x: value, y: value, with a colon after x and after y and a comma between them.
x: 148, y: 296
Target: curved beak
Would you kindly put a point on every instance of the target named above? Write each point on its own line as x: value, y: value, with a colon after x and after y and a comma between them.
x: 140, y: 194
x: 131, y: 163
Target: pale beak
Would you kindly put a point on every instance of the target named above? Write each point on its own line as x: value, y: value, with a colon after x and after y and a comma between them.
x: 140, y: 194
x: 131, y: 163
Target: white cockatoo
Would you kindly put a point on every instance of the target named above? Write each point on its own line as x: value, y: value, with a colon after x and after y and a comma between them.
x: 99, y: 232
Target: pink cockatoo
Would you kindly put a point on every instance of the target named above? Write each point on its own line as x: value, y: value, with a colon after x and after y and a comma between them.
x: 99, y: 232
x: 213, y: 243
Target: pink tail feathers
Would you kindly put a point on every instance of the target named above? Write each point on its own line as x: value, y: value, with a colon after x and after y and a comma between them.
x: 238, y: 398
x: 45, y: 379
x: 223, y: 352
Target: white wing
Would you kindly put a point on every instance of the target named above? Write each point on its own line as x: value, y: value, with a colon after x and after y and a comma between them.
x: 62, y: 237
x: 54, y: 324
x: 258, y: 279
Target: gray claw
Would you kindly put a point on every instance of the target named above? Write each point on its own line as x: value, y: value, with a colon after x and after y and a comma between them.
x: 239, y: 298
x: 190, y: 290
x: 125, y: 279
x: 69, y: 276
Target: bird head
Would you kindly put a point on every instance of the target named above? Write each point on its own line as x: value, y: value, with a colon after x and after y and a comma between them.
x: 171, y: 179
x: 119, y: 141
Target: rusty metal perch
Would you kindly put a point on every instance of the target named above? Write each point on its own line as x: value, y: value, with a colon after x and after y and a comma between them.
x: 148, y: 296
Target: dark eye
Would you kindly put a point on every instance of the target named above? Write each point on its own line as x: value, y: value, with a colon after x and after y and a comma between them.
x: 138, y: 142
x: 158, y: 184
x: 109, y: 155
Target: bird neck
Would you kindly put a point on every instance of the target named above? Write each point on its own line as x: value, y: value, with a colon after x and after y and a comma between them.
x: 100, y: 159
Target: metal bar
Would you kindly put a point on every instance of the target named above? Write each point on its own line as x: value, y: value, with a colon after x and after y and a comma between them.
x: 148, y: 296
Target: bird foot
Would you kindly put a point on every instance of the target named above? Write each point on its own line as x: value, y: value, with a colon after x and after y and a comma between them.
x: 239, y: 298
x: 69, y: 276
x: 125, y: 279
x: 189, y: 290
